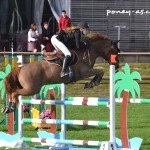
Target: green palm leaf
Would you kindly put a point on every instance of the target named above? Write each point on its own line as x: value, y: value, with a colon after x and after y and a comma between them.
x: 2, y: 75
x: 46, y: 88
x: 131, y: 90
x: 8, y: 69
x: 125, y: 81
x: 136, y: 87
x: 117, y: 85
x: 41, y: 92
x: 127, y: 69
x: 135, y: 75
x: 1, y: 84
x: 3, y: 92
x: 119, y: 76
x: 119, y: 92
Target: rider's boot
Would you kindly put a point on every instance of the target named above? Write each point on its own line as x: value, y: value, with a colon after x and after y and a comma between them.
x: 66, y: 61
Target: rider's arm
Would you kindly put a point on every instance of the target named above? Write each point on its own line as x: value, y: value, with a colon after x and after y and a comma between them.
x: 60, y: 24
x: 77, y: 39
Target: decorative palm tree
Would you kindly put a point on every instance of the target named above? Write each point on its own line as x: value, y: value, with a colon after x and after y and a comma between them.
x: 45, y: 89
x: 2, y: 76
x: 125, y: 82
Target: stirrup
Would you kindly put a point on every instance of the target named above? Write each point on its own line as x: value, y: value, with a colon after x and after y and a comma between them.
x: 64, y: 73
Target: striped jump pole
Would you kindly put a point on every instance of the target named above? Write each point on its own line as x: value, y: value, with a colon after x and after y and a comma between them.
x: 61, y: 141
x: 117, y: 100
x: 86, y: 99
x: 66, y: 103
x: 134, y: 101
x: 66, y: 122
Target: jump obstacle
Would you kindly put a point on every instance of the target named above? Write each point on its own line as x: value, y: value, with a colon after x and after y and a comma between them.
x: 53, y: 140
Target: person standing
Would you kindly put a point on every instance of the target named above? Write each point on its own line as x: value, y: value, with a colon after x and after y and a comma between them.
x: 33, y: 39
x: 46, y: 37
x: 46, y: 33
x: 64, y: 21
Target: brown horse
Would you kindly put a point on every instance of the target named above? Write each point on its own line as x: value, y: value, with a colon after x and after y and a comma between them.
x: 28, y: 79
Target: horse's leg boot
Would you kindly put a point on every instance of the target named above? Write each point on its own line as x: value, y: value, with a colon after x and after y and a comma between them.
x: 97, y: 80
x: 64, y: 71
x: 13, y: 106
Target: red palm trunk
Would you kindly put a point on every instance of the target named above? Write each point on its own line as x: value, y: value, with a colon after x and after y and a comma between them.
x: 123, y: 119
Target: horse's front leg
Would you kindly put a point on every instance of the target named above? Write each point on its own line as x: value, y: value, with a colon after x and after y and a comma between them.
x: 97, y: 78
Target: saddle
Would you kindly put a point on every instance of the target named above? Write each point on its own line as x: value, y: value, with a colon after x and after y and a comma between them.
x: 57, y: 57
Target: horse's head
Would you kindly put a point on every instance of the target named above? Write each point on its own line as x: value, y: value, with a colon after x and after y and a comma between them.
x: 105, y: 47
x: 111, y: 48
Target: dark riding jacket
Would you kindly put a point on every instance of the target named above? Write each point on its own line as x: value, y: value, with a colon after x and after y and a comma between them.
x: 70, y: 39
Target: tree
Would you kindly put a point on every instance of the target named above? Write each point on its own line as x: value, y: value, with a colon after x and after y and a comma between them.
x: 125, y: 82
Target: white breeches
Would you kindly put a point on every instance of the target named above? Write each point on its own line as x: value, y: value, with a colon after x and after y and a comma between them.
x: 60, y: 46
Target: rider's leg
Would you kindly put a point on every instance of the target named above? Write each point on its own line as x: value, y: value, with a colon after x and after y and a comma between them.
x: 59, y: 45
x: 53, y: 42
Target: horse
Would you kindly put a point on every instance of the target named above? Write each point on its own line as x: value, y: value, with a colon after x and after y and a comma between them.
x: 28, y: 79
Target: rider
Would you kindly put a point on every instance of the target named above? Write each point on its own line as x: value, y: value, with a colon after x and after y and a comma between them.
x: 62, y: 41
x: 84, y: 28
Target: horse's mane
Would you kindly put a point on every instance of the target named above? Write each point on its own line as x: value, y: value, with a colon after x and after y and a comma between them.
x: 94, y: 36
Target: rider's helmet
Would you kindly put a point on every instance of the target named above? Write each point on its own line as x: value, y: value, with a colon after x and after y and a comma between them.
x: 83, y: 25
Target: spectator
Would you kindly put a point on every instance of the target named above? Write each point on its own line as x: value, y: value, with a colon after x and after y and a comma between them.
x: 33, y: 39
x: 46, y: 36
x: 64, y: 21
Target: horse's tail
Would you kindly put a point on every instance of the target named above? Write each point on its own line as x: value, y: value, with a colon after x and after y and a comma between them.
x: 11, y: 82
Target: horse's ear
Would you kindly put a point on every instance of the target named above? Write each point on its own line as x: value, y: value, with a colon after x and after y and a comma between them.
x: 115, y: 42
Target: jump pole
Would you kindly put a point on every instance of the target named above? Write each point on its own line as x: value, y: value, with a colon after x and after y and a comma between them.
x: 111, y: 144
x: 63, y: 110
x: 112, y: 105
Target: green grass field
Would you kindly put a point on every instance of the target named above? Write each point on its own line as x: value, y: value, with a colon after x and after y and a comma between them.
x: 138, y: 114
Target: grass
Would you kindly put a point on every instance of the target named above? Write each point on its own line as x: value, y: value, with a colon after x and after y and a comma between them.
x: 138, y: 114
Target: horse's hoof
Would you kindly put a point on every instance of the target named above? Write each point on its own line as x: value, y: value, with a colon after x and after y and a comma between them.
x: 88, y: 85
x: 5, y: 110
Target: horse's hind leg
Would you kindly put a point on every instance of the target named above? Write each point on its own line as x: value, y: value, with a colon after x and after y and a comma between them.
x: 14, y: 98
x: 7, y: 109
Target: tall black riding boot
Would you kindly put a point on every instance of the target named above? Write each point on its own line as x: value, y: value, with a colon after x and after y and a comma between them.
x: 64, y: 71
